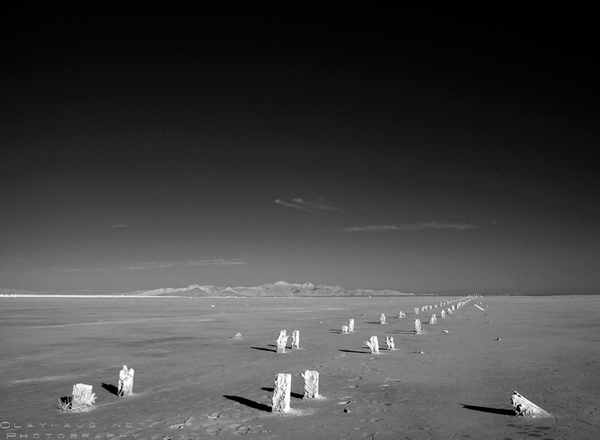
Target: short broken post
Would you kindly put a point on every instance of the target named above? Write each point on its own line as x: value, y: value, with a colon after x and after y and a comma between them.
x: 418, y: 326
x: 416, y: 310
x: 296, y: 339
x: 382, y: 319
x: 83, y: 398
x: 345, y: 329
x: 282, y: 341
x: 351, y: 325
x: 526, y: 408
x: 389, y: 341
x: 282, y: 390
x: 401, y: 314
x: 373, y: 344
x: 433, y: 319
x: 125, y: 382
x: 443, y: 313
x: 311, y: 384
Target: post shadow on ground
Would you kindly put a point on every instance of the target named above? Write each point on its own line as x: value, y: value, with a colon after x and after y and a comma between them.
x: 499, y: 411
x: 402, y: 332
x: 356, y: 351
x: 250, y: 403
x: 292, y: 394
x: 265, y: 349
x: 111, y: 388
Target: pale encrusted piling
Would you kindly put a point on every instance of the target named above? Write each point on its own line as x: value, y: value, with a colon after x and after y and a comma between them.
x: 311, y: 384
x: 418, y: 326
x: 282, y: 390
x: 373, y: 344
x: 125, y: 382
x: 282, y: 341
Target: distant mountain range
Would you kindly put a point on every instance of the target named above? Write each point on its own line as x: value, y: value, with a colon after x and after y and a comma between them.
x: 280, y: 288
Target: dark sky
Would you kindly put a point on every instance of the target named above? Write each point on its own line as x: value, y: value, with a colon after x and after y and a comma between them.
x: 429, y: 151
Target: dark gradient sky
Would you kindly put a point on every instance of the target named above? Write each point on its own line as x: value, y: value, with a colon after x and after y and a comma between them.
x: 422, y: 151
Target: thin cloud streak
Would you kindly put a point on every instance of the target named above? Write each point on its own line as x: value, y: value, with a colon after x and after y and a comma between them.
x: 410, y: 227
x: 142, y: 266
x: 291, y: 205
x: 60, y: 270
x: 171, y: 264
x: 317, y: 205
x: 308, y: 205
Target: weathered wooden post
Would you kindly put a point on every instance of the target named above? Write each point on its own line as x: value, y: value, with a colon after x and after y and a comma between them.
x: 401, y: 314
x: 416, y: 310
x: 382, y: 319
x: 311, y: 384
x: 282, y: 390
x: 433, y: 319
x: 351, y: 325
x: 418, y: 326
x: 389, y: 341
x: 373, y: 344
x: 344, y: 329
x: 443, y: 313
x: 295, y: 339
x: 282, y: 341
x: 125, y: 382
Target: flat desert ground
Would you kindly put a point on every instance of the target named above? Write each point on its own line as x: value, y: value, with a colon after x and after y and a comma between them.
x: 193, y: 380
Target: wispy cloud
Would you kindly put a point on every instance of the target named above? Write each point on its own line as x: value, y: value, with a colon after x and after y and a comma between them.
x: 410, y: 227
x: 306, y: 205
x: 61, y: 270
x: 120, y: 225
x: 291, y: 205
x: 143, y: 266
x: 171, y: 264
x: 319, y: 205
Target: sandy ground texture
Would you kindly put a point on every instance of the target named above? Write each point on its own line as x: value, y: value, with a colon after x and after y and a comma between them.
x: 193, y: 380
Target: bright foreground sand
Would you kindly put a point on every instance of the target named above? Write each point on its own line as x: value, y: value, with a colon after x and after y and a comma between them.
x: 193, y: 381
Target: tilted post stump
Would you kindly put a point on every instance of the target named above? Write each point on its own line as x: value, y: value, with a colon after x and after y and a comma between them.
x: 296, y: 339
x: 526, y: 408
x: 282, y: 390
x: 282, y: 341
x: 382, y: 318
x: 125, y: 382
x: 418, y: 326
x: 373, y: 344
x: 311, y: 384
